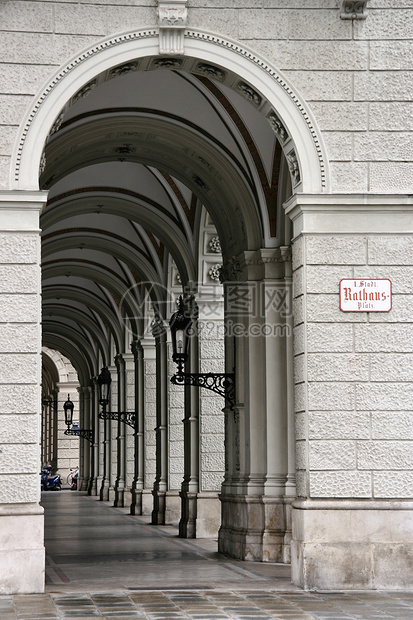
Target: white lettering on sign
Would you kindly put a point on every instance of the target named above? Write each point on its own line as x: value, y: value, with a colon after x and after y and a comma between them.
x: 365, y: 295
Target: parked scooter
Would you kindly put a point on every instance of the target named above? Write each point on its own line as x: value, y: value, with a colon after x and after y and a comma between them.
x: 75, y: 476
x: 49, y: 482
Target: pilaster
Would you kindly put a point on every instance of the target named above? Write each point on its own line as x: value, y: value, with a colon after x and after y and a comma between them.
x: 259, y: 475
x: 139, y: 436
x: 161, y: 480
x: 22, y: 556
x: 109, y: 466
x: 352, y: 397
x: 120, y: 483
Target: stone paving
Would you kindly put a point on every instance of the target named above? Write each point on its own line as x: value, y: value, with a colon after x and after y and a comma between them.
x: 103, y: 563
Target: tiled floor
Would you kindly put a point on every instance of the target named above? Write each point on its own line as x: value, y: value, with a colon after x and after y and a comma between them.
x: 103, y: 563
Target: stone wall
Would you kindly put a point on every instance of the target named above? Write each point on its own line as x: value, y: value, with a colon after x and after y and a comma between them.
x: 353, y: 395
x: 354, y: 74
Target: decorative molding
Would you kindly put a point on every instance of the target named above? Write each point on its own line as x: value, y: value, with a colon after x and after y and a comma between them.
x: 293, y: 167
x: 278, y: 127
x: 353, y: 9
x: 231, y: 270
x: 172, y: 16
x: 210, y: 71
x: 42, y: 166
x: 249, y: 93
x: 127, y: 67
x: 167, y: 63
x: 189, y: 34
x: 215, y: 272
x: 215, y: 245
x: 84, y: 91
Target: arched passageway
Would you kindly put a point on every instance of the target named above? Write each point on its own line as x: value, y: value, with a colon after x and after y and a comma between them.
x: 169, y: 160
x: 167, y: 178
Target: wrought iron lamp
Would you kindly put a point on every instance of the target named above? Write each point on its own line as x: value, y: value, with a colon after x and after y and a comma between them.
x: 220, y: 383
x: 104, y: 381
x: 73, y: 427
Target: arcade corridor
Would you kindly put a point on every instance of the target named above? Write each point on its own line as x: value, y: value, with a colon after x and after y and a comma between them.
x: 104, y: 563
x: 90, y: 545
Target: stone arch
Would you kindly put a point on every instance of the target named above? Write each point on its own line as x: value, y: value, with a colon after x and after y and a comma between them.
x: 258, y: 81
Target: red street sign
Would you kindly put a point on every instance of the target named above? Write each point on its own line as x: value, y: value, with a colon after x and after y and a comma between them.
x: 365, y: 295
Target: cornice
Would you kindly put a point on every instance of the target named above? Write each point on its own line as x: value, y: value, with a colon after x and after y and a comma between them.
x: 351, y: 213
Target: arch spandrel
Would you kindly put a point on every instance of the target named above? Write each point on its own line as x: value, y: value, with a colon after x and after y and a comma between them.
x: 303, y: 146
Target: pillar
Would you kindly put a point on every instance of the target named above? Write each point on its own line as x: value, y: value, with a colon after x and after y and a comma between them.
x: 94, y: 448
x: 161, y: 480
x: 254, y: 515
x: 86, y: 464
x: 109, y: 458
x: 120, y: 483
x: 190, y: 484
x: 22, y: 555
x: 129, y: 430
x: 352, y: 521
x: 139, y: 435
x: 149, y: 475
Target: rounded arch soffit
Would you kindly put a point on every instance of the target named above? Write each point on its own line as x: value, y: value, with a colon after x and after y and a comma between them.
x: 303, y: 144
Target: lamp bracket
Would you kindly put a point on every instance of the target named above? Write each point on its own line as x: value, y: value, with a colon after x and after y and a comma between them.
x: 220, y: 383
x: 86, y: 433
x: 127, y: 417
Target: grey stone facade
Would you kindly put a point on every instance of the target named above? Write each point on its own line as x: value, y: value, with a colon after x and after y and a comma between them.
x: 218, y: 149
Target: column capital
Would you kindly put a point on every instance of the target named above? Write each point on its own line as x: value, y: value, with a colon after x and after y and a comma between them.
x: 257, y: 264
x: 137, y: 349
x: 119, y: 362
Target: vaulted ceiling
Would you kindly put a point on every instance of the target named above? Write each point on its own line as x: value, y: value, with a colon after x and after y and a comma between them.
x: 129, y: 165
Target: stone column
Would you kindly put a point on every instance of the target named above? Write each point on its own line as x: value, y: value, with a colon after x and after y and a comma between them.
x: 68, y: 445
x: 94, y: 448
x: 149, y: 363
x: 86, y: 469
x: 139, y: 436
x: 161, y: 480
x: 22, y: 556
x: 129, y: 430
x: 190, y: 484
x: 352, y: 522
x: 121, y: 438
x: 253, y: 506
x: 106, y: 488
x: 54, y: 431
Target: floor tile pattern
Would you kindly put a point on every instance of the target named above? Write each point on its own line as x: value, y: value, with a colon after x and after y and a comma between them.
x: 102, y: 562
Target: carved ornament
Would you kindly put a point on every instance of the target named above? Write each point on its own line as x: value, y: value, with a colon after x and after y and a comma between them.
x: 215, y: 272
x: 215, y: 245
x: 172, y: 16
x: 278, y: 127
x: 210, y: 71
x: 353, y: 9
x: 293, y: 167
x: 249, y: 93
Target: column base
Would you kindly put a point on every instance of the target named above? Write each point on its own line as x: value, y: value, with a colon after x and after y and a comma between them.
x: 158, y: 512
x: 104, y: 491
x: 22, y: 554
x: 172, y: 508
x: 82, y: 484
x: 147, y: 502
x: 254, y: 528
x: 136, y: 503
x: 201, y: 515
x: 352, y: 545
x: 92, y: 486
x: 123, y: 498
